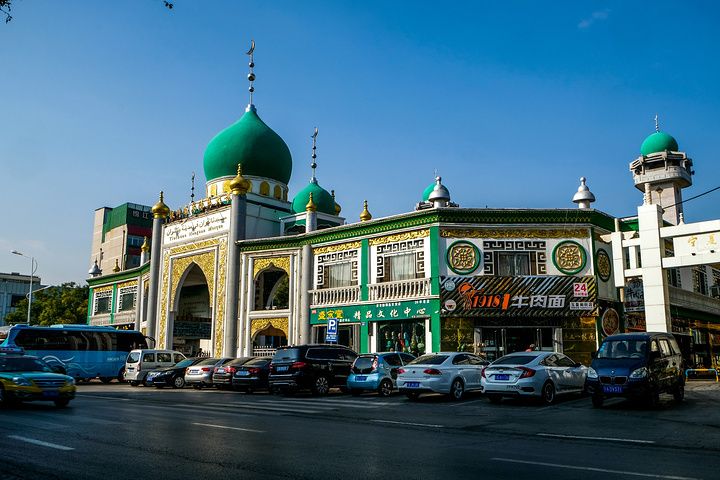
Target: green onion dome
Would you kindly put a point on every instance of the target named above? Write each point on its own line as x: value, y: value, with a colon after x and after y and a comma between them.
x: 251, y: 143
x: 428, y: 191
x: 658, y: 142
x: 322, y: 199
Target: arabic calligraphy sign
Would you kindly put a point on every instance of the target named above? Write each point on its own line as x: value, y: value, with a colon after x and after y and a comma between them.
x: 195, y: 227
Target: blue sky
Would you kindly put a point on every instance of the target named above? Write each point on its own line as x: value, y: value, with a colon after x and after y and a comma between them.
x: 109, y: 102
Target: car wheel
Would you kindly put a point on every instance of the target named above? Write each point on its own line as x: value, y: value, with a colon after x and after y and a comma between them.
x: 548, y: 393
x: 385, y: 388
x: 457, y: 390
x: 145, y: 382
x: 62, y: 403
x: 494, y: 398
x: 121, y: 375
x: 178, y: 382
x: 321, y: 385
x: 106, y: 380
x: 413, y: 396
x: 597, y: 401
x: 134, y: 383
x: 679, y: 393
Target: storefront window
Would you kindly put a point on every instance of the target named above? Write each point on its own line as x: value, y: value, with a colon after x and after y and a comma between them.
x: 580, y: 339
x: 406, y: 337
x: 457, y: 335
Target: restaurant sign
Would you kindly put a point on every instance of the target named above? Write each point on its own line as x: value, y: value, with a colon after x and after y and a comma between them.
x: 372, y: 312
x: 528, y: 296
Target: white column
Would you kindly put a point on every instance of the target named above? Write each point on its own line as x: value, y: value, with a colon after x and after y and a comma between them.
x: 652, y: 251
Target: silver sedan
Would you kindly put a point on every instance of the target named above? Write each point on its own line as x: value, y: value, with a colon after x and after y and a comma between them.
x: 200, y: 374
x: 533, y: 374
x: 452, y: 373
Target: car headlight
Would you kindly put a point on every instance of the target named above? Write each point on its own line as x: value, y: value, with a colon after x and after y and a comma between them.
x: 591, y: 373
x: 22, y: 382
x: 639, y: 373
x: 69, y: 381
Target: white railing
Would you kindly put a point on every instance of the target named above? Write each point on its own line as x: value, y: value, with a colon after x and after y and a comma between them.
x: 125, y: 317
x: 263, y: 351
x: 336, y: 296
x: 404, y: 289
x: 100, y: 319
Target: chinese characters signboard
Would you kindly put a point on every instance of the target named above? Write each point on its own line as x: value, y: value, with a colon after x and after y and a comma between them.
x: 374, y: 312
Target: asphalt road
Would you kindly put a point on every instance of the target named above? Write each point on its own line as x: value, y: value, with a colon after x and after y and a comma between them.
x: 117, y: 431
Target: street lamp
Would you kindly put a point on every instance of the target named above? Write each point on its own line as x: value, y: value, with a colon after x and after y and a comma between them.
x: 33, y: 269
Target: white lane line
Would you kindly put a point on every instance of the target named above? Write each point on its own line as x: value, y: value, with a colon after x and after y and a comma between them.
x: 392, y: 422
x: 313, y: 404
x: 593, y: 469
x: 460, y: 404
x: 604, y: 439
x: 225, y: 427
x: 102, y: 396
x: 254, y: 406
x: 40, y: 442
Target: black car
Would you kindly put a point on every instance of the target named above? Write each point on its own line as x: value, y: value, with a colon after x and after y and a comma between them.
x: 171, y: 376
x: 223, y: 374
x: 315, y: 367
x: 640, y: 366
x: 252, y: 375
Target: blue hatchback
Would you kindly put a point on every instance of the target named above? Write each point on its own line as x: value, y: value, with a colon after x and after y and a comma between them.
x: 377, y: 372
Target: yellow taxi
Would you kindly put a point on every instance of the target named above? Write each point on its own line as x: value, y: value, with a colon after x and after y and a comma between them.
x: 26, y: 378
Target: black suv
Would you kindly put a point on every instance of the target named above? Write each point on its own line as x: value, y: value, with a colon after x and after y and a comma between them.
x: 315, y: 367
x: 636, y: 365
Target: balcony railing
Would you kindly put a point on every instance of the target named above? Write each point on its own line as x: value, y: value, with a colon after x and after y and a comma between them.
x: 264, y: 351
x: 402, y: 290
x: 336, y: 296
x: 100, y: 319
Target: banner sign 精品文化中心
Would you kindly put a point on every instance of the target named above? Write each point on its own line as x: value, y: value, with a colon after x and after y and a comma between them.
x: 373, y: 312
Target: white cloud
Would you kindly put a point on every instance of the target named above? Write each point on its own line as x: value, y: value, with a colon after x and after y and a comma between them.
x: 597, y: 16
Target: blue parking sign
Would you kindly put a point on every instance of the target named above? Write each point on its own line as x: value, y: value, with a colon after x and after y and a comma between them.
x: 331, y: 333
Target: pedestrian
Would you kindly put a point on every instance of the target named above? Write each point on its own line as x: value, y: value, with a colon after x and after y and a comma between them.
x: 530, y: 348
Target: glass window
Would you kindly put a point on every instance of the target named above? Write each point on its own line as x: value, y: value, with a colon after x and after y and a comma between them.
x: 461, y: 359
x: 513, y: 263
x: 408, y: 337
x: 178, y: 358
x: 323, y: 354
x: 148, y: 357
x: 348, y: 355
x: 127, y: 299
x: 164, y: 357
x: 654, y: 347
x: 338, y: 275
x: 286, y: 354
x: 209, y: 361
x: 133, y: 357
x: 399, y: 267
x: 665, y: 348
x: 102, y: 302
x: 515, y: 360
x: 430, y: 359
x: 564, y: 361
x: 406, y: 358
x: 550, y: 361
x: 700, y: 281
x: 623, y: 349
x: 393, y: 360
x: 475, y: 360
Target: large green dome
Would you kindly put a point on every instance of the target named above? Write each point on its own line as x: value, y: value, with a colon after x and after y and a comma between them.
x: 658, y: 142
x: 321, y: 198
x: 428, y: 191
x: 254, y: 145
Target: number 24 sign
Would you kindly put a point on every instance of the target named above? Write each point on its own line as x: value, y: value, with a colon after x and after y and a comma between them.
x: 580, y: 289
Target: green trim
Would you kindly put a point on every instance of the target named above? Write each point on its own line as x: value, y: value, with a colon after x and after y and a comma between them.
x: 583, y: 254
x: 597, y: 255
x: 112, y: 303
x: 364, y: 337
x: 468, y: 270
x: 435, y: 331
x: 90, y: 304
x: 364, y: 269
x: 119, y: 276
x: 435, y: 260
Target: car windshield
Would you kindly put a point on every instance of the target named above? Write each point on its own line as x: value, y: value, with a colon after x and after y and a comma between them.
x: 286, y: 354
x: 615, y: 349
x: 430, y: 359
x: 185, y: 363
x: 22, y: 364
x: 515, y: 360
x: 209, y: 361
x: 363, y: 362
x: 133, y: 357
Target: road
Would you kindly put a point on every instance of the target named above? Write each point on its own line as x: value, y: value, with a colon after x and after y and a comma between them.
x: 117, y: 431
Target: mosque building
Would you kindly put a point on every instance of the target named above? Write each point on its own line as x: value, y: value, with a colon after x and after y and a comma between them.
x: 245, y: 270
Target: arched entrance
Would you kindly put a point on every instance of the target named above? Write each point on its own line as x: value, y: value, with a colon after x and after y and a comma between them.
x: 192, y: 326
x: 272, y: 290
x: 268, y: 334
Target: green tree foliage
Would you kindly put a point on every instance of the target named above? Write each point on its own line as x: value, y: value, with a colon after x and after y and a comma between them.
x: 66, y: 303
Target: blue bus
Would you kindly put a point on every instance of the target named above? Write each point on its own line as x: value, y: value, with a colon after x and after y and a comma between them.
x: 84, y: 351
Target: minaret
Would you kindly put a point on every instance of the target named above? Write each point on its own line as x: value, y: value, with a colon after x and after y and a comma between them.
x: 160, y: 212
x: 145, y: 251
x: 661, y: 172
x: 311, y: 208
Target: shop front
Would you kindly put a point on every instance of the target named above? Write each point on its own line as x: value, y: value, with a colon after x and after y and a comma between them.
x: 493, y: 316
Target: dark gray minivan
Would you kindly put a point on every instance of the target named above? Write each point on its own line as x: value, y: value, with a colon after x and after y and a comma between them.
x: 636, y: 365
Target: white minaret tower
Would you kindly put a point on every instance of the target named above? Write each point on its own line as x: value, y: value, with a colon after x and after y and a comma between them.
x: 663, y: 171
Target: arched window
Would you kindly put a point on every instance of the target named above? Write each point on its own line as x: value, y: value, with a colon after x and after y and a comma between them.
x: 265, y: 188
x: 278, y: 192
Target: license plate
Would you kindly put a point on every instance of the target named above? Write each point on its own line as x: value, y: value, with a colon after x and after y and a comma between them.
x: 282, y: 369
x: 242, y: 373
x: 502, y: 376
x: 151, y: 375
x: 412, y: 384
x: 192, y: 371
x: 130, y: 369
x: 612, y: 388
x: 361, y: 378
x: 221, y: 370
x: 50, y: 393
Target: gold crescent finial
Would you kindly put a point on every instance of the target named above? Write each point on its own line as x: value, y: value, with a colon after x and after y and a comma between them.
x: 252, y: 47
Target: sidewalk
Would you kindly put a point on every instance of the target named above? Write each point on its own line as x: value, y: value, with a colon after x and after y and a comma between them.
x: 702, y: 386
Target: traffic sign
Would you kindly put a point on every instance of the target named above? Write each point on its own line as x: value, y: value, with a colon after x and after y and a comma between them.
x: 331, y: 333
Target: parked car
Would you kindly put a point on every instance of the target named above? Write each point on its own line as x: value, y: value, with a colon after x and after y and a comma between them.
x: 200, y: 374
x: 223, y: 374
x: 171, y: 376
x: 636, y: 365
x: 24, y: 378
x: 141, y: 362
x: 377, y: 372
x: 452, y: 373
x: 316, y: 367
x: 543, y: 375
x: 252, y: 375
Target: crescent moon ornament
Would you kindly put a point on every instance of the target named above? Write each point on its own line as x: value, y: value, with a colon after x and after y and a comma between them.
x: 252, y: 47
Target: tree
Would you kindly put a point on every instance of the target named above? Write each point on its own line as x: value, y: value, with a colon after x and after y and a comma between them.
x: 66, y: 303
x: 6, y: 8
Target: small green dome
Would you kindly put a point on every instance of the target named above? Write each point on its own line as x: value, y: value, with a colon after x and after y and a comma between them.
x: 254, y: 145
x: 658, y: 142
x: 428, y: 191
x: 321, y: 198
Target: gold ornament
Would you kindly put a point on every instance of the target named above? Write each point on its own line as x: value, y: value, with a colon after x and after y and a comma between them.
x: 569, y: 257
x: 160, y: 210
x: 515, y: 233
x: 337, y: 248
x: 365, y: 214
x: 259, y: 324
x: 283, y: 263
x: 399, y: 237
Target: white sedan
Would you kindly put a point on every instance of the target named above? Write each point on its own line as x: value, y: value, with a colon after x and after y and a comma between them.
x: 452, y: 373
x: 539, y: 374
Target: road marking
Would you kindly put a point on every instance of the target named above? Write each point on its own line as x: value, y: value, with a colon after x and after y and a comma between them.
x: 228, y: 428
x: 284, y: 409
x: 409, y: 423
x: 592, y: 469
x: 40, y: 442
x: 605, y: 439
x: 465, y: 403
x: 102, y: 396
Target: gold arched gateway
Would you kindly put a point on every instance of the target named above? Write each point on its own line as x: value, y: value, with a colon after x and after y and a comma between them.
x: 260, y: 324
x: 282, y: 263
x: 213, y: 263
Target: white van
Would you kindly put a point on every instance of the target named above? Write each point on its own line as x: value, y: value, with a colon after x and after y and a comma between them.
x: 140, y: 362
